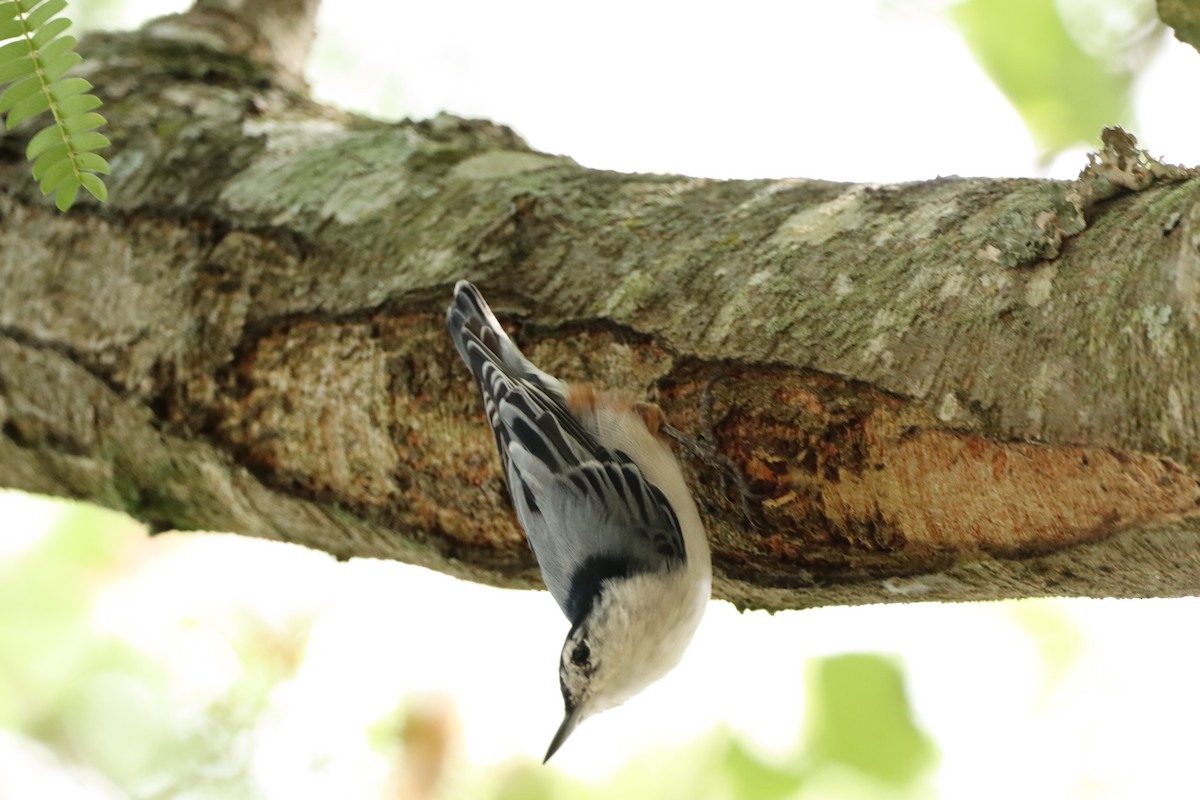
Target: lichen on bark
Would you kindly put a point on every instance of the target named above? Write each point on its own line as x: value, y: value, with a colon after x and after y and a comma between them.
x: 953, y: 389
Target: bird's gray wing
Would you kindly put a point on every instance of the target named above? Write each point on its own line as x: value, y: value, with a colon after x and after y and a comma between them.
x: 588, y: 511
x: 588, y: 519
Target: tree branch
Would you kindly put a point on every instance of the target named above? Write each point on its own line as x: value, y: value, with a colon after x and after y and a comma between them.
x: 956, y: 389
x: 1183, y: 18
x: 274, y: 35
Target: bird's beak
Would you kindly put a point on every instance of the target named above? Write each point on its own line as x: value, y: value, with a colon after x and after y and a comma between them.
x: 570, y: 721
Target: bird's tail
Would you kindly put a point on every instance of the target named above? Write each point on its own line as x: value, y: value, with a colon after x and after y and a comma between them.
x: 477, y: 335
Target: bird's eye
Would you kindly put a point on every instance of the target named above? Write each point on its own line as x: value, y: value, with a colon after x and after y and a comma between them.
x: 581, y: 654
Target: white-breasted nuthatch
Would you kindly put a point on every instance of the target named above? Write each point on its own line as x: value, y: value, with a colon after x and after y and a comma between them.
x: 606, y: 511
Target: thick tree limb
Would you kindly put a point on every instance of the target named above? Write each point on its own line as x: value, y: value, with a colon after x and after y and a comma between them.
x: 275, y: 35
x: 957, y: 389
x: 1183, y: 18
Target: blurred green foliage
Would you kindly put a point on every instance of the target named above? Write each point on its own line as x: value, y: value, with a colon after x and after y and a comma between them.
x: 95, y: 14
x: 46, y: 644
x: 95, y: 700
x: 860, y: 743
x: 99, y: 702
x: 1058, y: 640
x: 859, y: 717
x: 1064, y: 91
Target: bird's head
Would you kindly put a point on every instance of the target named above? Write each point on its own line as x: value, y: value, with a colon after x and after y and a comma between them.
x: 634, y: 634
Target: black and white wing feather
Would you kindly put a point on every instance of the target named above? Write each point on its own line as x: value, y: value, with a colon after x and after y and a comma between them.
x: 588, y: 511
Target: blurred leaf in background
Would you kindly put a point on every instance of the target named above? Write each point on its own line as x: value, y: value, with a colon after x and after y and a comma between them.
x: 102, y: 705
x: 130, y: 716
x: 92, y: 699
x: 861, y: 743
x: 1067, y: 67
x: 1058, y: 640
x: 95, y: 14
x: 46, y: 643
x: 859, y: 719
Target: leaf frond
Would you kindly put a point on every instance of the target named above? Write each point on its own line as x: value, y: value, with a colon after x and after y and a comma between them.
x: 32, y: 69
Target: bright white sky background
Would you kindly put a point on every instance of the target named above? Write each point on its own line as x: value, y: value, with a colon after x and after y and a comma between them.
x: 859, y: 91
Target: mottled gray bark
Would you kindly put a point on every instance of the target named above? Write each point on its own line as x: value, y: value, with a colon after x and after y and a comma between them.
x: 955, y: 389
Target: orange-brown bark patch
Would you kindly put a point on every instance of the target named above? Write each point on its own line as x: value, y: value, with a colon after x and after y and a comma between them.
x: 946, y: 490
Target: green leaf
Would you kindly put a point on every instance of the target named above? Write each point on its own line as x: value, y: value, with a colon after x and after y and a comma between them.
x: 759, y: 779
x: 858, y: 716
x: 69, y: 88
x: 34, y: 66
x: 94, y: 185
x: 88, y: 140
x: 42, y: 140
x: 64, y: 197
x: 51, y: 156
x: 17, y: 67
x: 19, y: 91
x: 55, y: 68
x: 51, y: 29
x: 44, y: 12
x: 1063, y: 94
x: 92, y: 161
x: 57, y: 174
x: 13, y: 50
x: 82, y: 122
x: 83, y: 161
x: 54, y: 154
x: 78, y: 104
x: 27, y: 108
x: 60, y: 45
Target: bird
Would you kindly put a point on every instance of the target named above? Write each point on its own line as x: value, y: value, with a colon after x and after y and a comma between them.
x: 605, y: 509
